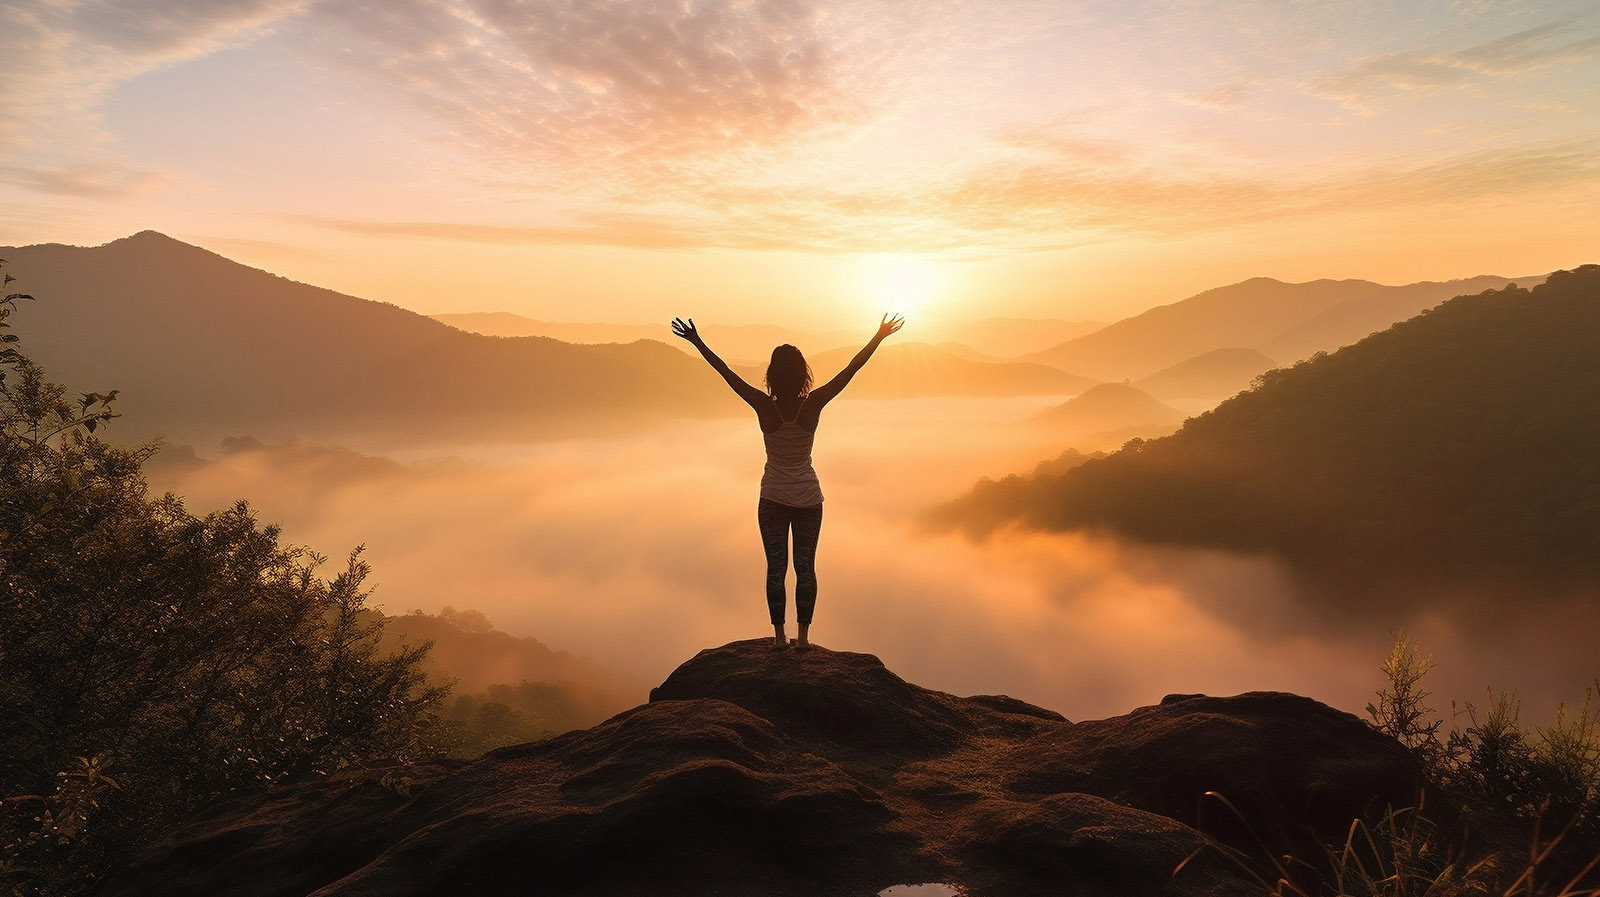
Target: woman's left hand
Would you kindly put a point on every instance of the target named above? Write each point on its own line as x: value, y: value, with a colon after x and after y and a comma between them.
x: 889, y: 325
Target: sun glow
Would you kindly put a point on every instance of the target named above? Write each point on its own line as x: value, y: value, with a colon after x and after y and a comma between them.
x: 898, y: 283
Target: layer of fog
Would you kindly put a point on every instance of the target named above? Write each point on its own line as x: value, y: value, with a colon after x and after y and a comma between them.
x: 638, y: 552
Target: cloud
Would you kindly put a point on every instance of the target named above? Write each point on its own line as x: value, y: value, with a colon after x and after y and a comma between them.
x: 1064, y: 143
x: 1372, y: 80
x: 1080, y: 193
x: 677, y: 125
x: 64, y: 56
x: 167, y: 30
x: 622, y: 230
x: 1229, y: 94
x: 639, y: 550
x: 62, y: 60
x: 1530, y: 170
x: 607, y: 84
x: 605, y: 95
x: 93, y: 180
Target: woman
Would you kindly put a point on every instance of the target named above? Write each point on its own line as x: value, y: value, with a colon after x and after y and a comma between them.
x: 791, y: 496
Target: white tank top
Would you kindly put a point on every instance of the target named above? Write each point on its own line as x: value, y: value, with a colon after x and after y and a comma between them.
x: 789, y: 478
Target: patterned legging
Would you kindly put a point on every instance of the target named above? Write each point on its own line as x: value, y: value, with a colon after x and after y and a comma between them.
x: 775, y: 520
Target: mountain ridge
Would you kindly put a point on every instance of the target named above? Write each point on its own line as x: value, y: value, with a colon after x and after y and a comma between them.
x: 1109, y: 414
x: 197, y: 342
x: 1212, y: 375
x: 1454, y: 449
x: 1252, y: 314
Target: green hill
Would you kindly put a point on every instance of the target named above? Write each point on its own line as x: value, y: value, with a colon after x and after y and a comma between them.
x: 1458, y: 446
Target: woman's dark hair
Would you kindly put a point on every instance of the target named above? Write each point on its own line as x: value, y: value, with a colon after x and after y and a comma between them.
x: 787, y: 373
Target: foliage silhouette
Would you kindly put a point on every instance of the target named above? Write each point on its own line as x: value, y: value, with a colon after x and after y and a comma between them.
x: 1508, y: 785
x: 1507, y: 810
x: 151, y: 659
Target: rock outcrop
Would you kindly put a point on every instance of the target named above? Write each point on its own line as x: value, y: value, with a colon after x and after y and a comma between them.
x: 756, y: 771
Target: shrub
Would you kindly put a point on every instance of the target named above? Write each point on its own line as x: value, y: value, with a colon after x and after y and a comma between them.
x: 1401, y: 711
x: 151, y: 659
x: 1519, y: 791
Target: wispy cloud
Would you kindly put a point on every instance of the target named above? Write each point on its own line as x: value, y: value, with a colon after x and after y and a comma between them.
x: 168, y: 29
x: 92, y: 180
x: 1081, y: 195
x: 605, y: 84
x: 1229, y: 94
x: 62, y: 60
x: 630, y: 231
x: 1056, y: 142
x: 1371, y: 80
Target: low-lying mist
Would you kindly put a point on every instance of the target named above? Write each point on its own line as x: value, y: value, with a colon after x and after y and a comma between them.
x: 637, y: 552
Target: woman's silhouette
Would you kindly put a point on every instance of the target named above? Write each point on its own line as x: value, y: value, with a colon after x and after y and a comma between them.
x: 791, y: 496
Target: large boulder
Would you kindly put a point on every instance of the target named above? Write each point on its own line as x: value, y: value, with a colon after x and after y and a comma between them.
x: 763, y: 771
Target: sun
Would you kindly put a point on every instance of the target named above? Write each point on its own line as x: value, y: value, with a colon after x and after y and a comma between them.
x: 898, y: 283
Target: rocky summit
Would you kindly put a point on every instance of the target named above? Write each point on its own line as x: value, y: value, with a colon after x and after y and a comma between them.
x: 775, y: 772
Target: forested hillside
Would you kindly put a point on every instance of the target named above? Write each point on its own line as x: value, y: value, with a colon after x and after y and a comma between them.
x: 1459, y: 445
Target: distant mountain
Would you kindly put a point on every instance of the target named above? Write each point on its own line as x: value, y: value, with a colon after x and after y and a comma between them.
x: 1214, y: 375
x: 1286, y: 321
x: 506, y: 689
x: 1005, y: 338
x: 990, y: 339
x: 1459, y: 448
x: 504, y: 323
x: 748, y: 343
x: 964, y: 351
x: 908, y: 369
x: 1111, y: 406
x: 200, y: 346
x: 470, y: 651
x: 1352, y: 321
x: 1107, y: 415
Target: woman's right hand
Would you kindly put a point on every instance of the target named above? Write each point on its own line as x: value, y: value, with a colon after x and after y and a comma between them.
x: 889, y: 325
x: 685, y: 330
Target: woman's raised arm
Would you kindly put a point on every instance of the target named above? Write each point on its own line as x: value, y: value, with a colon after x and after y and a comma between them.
x: 755, y: 398
x: 825, y: 393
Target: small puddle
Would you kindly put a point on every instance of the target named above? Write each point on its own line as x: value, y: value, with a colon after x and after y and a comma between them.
x: 932, y: 889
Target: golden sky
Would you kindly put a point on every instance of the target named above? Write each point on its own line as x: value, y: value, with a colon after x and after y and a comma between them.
x: 809, y: 164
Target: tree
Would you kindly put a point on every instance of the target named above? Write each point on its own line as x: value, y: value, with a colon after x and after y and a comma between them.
x: 151, y: 659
